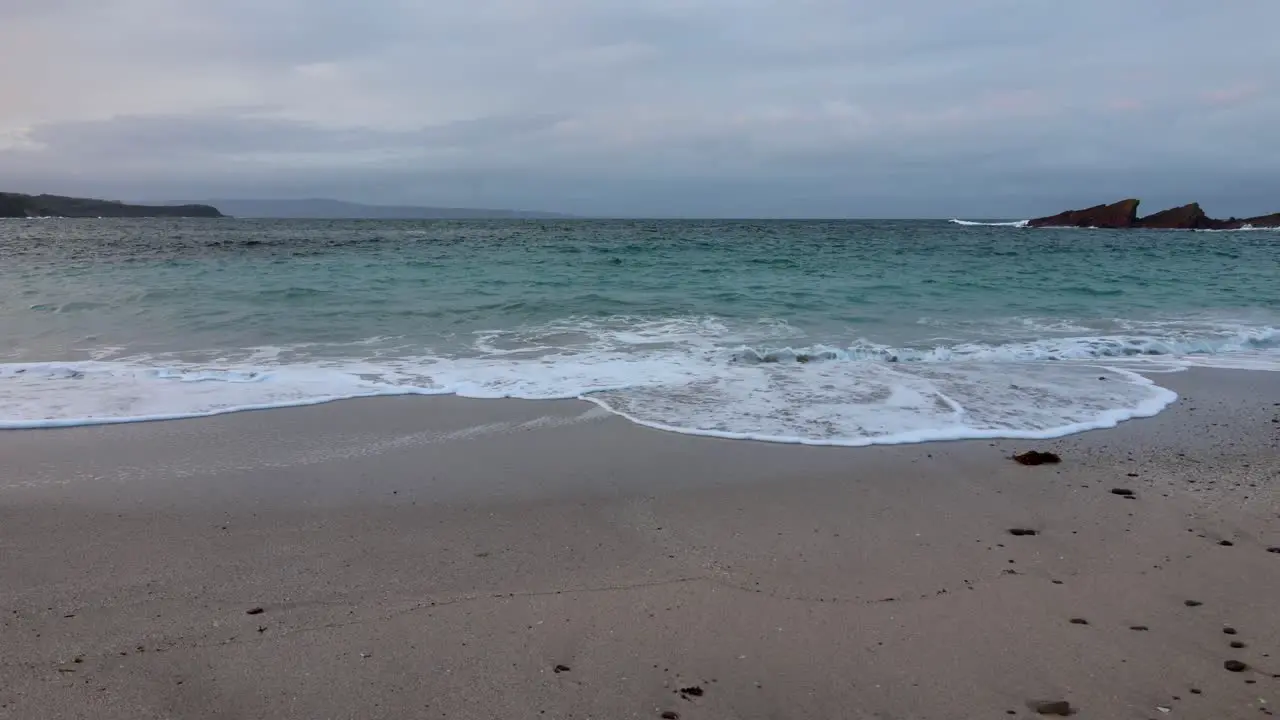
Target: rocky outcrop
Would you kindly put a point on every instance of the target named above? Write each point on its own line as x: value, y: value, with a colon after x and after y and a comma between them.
x: 1261, y: 221
x: 1124, y: 214
x: 19, y: 205
x: 1187, y: 217
x: 1116, y: 215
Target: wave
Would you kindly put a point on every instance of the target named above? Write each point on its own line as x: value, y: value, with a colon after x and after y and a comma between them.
x: 922, y: 409
x: 971, y: 223
x: 1026, y: 223
x: 51, y: 395
x: 1190, y: 349
x: 1244, y: 228
x: 677, y: 375
x: 68, y: 307
x: 857, y: 403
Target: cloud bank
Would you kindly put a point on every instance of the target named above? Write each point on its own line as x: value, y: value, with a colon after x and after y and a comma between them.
x: 882, y: 108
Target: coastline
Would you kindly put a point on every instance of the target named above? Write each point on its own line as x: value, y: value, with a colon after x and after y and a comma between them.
x: 440, y: 557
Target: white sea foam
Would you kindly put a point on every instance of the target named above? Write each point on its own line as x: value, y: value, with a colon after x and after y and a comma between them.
x: 692, y: 375
x: 878, y: 404
x: 1026, y: 223
x: 1200, y: 350
x: 92, y: 393
x: 972, y: 223
x: 1244, y: 228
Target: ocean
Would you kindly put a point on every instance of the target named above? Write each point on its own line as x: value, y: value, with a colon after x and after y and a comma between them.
x: 827, y: 333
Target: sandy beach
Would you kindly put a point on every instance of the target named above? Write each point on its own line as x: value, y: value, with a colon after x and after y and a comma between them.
x: 435, y: 557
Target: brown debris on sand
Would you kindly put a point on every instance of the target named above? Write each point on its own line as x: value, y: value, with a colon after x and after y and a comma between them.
x: 1036, y: 457
x: 691, y: 691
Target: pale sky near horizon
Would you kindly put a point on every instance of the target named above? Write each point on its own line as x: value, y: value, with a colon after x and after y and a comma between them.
x: 881, y: 108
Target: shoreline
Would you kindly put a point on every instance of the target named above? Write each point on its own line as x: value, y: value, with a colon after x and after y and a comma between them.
x: 440, y: 557
x: 1105, y: 419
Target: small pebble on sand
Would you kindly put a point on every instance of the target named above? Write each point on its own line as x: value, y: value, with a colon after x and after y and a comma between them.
x: 1052, y: 707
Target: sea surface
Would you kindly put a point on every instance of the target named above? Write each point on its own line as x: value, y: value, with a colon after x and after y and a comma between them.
x: 836, y: 333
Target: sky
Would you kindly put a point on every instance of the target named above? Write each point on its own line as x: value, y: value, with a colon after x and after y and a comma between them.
x: 693, y: 108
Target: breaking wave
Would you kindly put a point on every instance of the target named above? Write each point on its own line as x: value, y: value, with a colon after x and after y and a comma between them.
x: 971, y: 223
x: 686, y: 375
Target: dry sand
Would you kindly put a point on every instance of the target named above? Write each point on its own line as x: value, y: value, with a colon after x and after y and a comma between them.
x: 440, y: 558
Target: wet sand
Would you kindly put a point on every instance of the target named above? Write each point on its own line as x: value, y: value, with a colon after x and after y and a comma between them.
x: 439, y: 557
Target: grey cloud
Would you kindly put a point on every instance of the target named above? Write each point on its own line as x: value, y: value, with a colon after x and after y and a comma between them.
x: 180, y: 137
x: 16, y: 10
x: 602, y: 106
x: 304, y: 31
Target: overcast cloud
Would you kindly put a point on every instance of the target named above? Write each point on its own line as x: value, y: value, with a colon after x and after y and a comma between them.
x: 978, y: 108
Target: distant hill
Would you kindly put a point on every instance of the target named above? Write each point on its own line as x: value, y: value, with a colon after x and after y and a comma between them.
x: 20, y: 205
x: 338, y: 209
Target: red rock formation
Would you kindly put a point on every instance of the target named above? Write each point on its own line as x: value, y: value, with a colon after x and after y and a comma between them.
x: 1262, y: 221
x: 1187, y: 217
x: 1124, y: 214
x: 1116, y: 215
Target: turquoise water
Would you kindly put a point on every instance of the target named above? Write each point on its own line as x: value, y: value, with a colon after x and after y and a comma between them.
x: 824, y: 332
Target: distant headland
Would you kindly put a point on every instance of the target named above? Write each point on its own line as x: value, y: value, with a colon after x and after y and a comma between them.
x: 1124, y: 214
x: 325, y: 209
x: 18, y: 205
